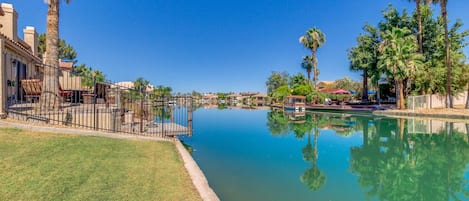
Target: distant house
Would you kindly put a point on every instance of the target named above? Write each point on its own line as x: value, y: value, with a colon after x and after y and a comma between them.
x: 130, y: 85
x: 325, y: 84
x: 234, y: 99
x: 19, y: 57
x: 260, y: 99
x: 247, y: 97
x: 210, y: 99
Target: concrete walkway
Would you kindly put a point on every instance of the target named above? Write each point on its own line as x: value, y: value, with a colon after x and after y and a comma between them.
x: 197, y: 176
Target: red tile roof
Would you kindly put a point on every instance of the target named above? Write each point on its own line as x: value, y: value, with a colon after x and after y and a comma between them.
x: 66, y: 65
x: 20, y: 46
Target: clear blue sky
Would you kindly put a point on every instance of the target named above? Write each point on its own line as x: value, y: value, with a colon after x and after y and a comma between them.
x: 212, y: 45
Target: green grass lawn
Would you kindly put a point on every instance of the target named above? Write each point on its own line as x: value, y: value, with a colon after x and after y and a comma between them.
x: 44, y: 166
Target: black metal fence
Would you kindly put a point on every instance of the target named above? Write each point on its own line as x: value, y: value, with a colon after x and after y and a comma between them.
x: 85, y: 103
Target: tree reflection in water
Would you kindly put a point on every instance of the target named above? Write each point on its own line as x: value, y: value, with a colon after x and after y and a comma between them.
x: 313, y: 177
x: 394, y: 162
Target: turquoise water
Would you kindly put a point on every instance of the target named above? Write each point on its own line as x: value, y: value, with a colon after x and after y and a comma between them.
x: 265, y: 155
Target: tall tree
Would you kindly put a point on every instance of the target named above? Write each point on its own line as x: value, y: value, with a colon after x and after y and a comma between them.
x: 364, y: 57
x: 345, y: 83
x: 276, y: 80
x: 297, y: 80
x: 307, y: 64
x: 88, y: 75
x: 419, y: 23
x: 141, y: 84
x: 162, y: 91
x: 313, y: 39
x: 444, y: 15
x: 399, y: 58
x: 66, y: 51
x: 50, y: 88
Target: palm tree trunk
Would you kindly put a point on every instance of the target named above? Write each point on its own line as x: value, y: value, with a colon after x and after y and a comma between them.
x: 449, y: 98
x: 315, y: 68
x: 401, y: 125
x: 50, y: 87
x: 401, y: 99
x: 315, y: 142
x: 365, y: 86
x: 378, y: 95
x: 467, y: 96
x: 365, y: 132
x: 467, y: 132
x: 419, y: 19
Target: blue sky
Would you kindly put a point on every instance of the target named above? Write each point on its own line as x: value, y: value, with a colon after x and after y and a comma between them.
x: 212, y: 45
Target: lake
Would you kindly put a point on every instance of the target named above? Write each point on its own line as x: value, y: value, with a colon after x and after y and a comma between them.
x: 272, y: 155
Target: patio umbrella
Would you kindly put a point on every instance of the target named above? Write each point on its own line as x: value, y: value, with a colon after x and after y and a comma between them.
x: 341, y: 91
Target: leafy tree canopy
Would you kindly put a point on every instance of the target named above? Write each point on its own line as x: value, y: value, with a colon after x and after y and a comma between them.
x: 66, y: 51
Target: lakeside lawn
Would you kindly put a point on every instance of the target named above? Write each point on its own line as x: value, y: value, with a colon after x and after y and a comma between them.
x: 45, y: 166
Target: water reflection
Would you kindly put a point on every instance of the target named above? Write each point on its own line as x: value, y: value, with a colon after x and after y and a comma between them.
x: 394, y: 164
x: 312, y: 177
x: 399, y: 159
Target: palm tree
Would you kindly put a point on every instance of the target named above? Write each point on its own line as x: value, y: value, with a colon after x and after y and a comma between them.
x: 399, y: 58
x: 50, y: 88
x: 141, y: 84
x: 307, y: 64
x: 419, y: 21
x: 313, y: 39
x: 444, y: 14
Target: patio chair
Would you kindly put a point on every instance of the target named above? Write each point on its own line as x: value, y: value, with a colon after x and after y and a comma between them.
x: 101, y: 94
x: 33, y: 89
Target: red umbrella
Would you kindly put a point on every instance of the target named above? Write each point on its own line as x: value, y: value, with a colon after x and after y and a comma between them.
x: 340, y: 91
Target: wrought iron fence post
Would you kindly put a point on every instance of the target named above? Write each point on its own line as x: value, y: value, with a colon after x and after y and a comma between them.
x: 94, y: 103
x: 141, y: 110
x: 162, y: 114
x: 189, y: 115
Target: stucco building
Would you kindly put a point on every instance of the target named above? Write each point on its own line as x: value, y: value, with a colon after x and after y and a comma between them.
x: 18, y: 59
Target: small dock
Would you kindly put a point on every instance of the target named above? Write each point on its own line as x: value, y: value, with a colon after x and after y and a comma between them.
x: 168, y: 129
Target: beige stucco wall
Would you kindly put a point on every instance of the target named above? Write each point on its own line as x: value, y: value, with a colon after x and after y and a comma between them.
x: 2, y: 82
x: 10, y: 55
x: 438, y: 101
x: 434, y: 101
x: 69, y: 82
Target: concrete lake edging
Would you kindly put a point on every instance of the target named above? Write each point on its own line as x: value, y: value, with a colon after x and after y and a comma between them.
x: 418, y: 114
x: 196, y: 175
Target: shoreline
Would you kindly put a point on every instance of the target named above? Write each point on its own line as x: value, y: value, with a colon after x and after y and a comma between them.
x: 198, y: 178
x: 442, y: 114
x: 460, y: 114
